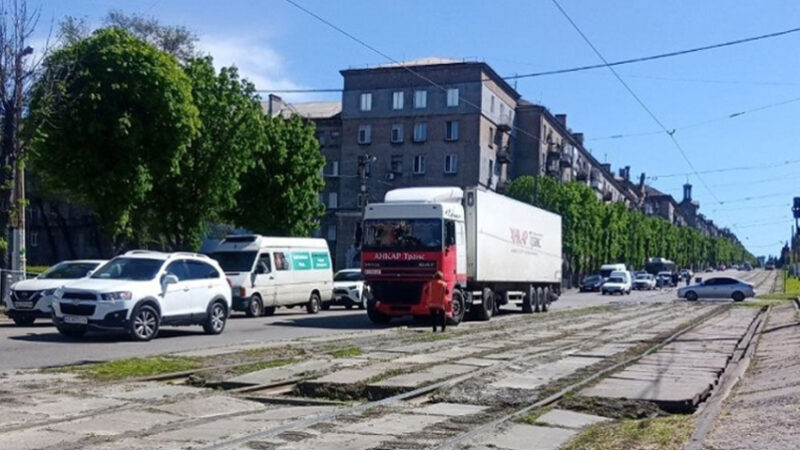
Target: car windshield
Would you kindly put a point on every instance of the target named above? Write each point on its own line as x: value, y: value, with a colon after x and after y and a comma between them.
x: 137, y: 269
x: 67, y: 271
x: 420, y: 234
x: 643, y: 277
x: 349, y: 276
x: 615, y: 280
x: 235, y: 261
x: 591, y: 279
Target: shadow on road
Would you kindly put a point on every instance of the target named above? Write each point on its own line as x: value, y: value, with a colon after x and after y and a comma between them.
x: 101, y: 337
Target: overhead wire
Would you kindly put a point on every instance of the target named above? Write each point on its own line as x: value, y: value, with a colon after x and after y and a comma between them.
x: 641, y: 103
x: 728, y: 169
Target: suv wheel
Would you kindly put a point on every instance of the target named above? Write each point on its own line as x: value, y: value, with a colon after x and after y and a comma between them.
x: 217, y: 316
x: 143, y: 325
x: 256, y: 308
x: 314, y: 303
x: 23, y: 320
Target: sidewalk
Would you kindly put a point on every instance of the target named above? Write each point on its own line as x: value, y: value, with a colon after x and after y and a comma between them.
x: 762, y: 412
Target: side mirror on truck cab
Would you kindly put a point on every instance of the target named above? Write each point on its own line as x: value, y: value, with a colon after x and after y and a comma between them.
x: 449, y: 233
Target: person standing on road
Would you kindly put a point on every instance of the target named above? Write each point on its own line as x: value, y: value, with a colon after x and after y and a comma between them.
x: 675, y: 279
x: 435, y: 293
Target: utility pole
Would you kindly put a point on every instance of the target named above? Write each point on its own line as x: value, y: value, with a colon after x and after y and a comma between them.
x: 364, y: 161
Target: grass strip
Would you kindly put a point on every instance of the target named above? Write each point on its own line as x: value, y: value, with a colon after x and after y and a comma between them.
x: 134, y: 367
x: 663, y: 433
x: 261, y: 365
x: 349, y: 352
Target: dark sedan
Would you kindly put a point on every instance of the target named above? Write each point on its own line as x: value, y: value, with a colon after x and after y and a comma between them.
x: 592, y: 283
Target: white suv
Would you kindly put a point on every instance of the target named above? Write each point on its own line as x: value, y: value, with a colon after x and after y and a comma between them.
x: 142, y: 290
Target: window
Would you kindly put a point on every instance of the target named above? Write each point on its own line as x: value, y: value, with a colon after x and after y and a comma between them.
x: 333, y: 200
x: 178, y: 268
x: 331, y: 232
x: 364, y: 134
x: 491, y: 170
x: 451, y: 130
x: 397, y: 133
x: 199, y: 270
x: 420, y: 132
x: 335, y: 138
x: 491, y: 103
x: 366, y: 101
x: 34, y: 238
x: 334, y: 168
x: 452, y: 97
x: 263, y: 264
x: 396, y: 164
x: 321, y: 138
x: 281, y: 263
x: 502, y: 110
x: 397, y: 100
x: 419, y: 165
x: 451, y: 163
x: 420, y: 99
x: 491, y: 136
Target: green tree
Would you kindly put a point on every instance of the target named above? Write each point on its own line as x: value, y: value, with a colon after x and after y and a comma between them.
x: 186, y: 201
x: 279, y: 194
x: 111, y: 116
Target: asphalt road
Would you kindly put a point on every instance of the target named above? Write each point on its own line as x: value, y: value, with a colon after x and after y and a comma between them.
x: 41, y: 345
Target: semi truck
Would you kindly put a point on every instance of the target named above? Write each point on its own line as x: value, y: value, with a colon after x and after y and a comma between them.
x: 492, y: 251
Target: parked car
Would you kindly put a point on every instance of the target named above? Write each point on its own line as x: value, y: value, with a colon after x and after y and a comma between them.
x: 616, y: 284
x: 709, y: 269
x: 644, y: 282
x: 267, y: 272
x: 592, y: 283
x: 664, y: 279
x: 32, y: 299
x: 718, y: 287
x: 770, y: 266
x: 348, y: 289
x: 142, y: 290
x: 747, y: 267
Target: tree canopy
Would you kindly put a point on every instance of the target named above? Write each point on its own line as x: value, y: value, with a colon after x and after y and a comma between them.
x: 596, y: 233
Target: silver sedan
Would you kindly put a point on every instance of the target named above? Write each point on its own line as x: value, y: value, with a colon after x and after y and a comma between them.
x: 718, y: 287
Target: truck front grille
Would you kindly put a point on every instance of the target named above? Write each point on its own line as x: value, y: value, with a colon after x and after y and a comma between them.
x: 397, y: 293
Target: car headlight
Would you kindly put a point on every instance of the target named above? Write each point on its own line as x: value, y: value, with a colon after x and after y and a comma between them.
x: 57, y: 293
x: 47, y: 292
x: 350, y: 288
x: 119, y: 295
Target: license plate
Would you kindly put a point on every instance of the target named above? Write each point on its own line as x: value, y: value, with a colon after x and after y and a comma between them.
x: 76, y: 319
x: 24, y: 305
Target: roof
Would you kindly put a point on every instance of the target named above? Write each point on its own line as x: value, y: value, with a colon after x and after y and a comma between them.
x: 426, y: 61
x: 308, y: 110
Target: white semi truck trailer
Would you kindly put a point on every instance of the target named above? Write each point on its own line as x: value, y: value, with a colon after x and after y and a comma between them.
x: 491, y: 249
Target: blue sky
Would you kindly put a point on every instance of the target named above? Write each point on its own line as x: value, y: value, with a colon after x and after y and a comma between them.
x: 279, y: 47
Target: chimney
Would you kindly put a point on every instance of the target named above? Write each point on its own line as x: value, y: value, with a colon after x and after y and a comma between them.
x: 578, y: 137
x: 641, y: 180
x: 607, y: 167
x: 627, y: 176
x: 562, y: 119
x: 687, y: 193
x: 274, y: 105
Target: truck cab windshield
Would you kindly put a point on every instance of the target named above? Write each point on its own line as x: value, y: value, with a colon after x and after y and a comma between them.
x: 410, y: 234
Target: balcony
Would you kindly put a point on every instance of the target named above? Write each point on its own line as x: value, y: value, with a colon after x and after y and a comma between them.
x: 505, y: 122
x: 503, y: 156
x: 607, y: 197
x: 582, y: 176
x: 565, y: 158
x: 596, y: 183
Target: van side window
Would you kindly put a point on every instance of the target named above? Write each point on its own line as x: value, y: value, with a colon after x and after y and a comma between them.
x: 264, y: 263
x: 281, y: 263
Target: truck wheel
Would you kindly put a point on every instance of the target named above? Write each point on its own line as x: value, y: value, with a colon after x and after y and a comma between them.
x: 537, y: 300
x: 314, y: 303
x: 256, y: 307
x: 527, y: 301
x: 486, y: 308
x: 457, y: 304
x: 376, y: 316
x: 545, y: 299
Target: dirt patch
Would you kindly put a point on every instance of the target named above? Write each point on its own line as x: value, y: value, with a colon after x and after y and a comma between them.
x: 612, y: 408
x: 663, y: 433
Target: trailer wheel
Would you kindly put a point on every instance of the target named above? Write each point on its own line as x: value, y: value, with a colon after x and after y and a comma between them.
x: 458, y: 306
x: 545, y: 299
x: 486, y: 308
x: 528, y: 300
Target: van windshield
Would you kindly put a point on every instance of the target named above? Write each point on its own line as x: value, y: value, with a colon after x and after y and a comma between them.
x: 235, y: 261
x: 409, y: 234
